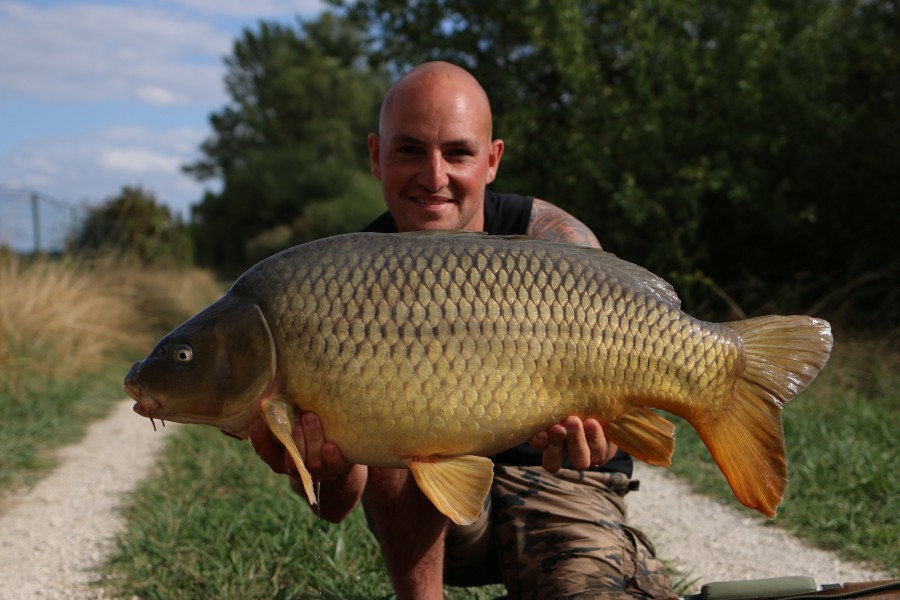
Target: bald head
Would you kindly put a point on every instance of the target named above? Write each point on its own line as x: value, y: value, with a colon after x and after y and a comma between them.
x: 428, y: 81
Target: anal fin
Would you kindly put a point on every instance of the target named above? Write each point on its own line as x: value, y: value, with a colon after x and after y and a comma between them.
x: 643, y: 434
x: 456, y: 486
x: 279, y: 416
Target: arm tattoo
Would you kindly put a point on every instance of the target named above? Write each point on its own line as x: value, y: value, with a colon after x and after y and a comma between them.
x: 549, y: 222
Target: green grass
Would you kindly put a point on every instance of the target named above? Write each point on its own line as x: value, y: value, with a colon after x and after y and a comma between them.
x: 68, y: 331
x: 40, y: 417
x: 843, y: 466
x: 214, y: 522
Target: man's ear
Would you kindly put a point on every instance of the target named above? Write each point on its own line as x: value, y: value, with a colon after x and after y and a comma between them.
x: 494, y: 159
x: 375, y: 155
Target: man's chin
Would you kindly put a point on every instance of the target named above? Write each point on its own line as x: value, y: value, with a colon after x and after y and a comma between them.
x: 444, y: 217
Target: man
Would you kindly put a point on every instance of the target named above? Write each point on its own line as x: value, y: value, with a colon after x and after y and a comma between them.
x: 557, y: 535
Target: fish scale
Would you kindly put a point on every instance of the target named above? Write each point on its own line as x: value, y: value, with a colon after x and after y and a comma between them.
x: 431, y: 350
x: 448, y: 309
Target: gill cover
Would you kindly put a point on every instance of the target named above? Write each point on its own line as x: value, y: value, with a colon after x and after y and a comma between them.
x: 214, y: 368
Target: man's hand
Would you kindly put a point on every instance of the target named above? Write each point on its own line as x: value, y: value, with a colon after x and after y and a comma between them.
x: 323, y: 459
x: 342, y: 482
x: 583, y: 442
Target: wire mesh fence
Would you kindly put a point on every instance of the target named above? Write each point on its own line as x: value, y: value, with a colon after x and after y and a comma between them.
x: 34, y: 222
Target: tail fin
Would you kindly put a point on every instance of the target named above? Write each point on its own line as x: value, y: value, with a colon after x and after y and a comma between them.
x: 782, y: 356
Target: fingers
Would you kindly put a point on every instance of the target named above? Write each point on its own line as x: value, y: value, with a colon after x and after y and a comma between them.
x: 576, y: 443
x: 539, y: 440
x: 583, y: 442
x: 332, y: 456
x: 266, y: 447
x: 602, y: 450
x: 323, y: 459
x: 567, y: 439
x: 554, y: 451
x: 309, y: 435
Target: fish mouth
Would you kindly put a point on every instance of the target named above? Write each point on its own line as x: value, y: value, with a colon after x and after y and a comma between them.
x: 145, y: 405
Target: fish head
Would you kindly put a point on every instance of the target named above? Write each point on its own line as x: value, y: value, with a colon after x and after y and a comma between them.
x: 213, y: 369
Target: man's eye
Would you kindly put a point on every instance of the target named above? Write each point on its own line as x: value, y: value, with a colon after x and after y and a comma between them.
x: 407, y: 150
x: 457, y: 153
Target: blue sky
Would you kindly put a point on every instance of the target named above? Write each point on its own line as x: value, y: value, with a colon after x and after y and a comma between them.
x: 95, y: 95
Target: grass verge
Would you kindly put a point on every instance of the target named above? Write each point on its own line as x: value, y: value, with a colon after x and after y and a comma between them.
x: 68, y: 330
x: 214, y: 522
x: 843, y: 466
x: 38, y: 419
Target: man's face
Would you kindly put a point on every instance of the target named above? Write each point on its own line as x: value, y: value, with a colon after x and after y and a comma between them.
x: 435, y: 156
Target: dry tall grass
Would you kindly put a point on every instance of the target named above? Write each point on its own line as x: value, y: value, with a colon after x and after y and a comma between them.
x: 59, y: 318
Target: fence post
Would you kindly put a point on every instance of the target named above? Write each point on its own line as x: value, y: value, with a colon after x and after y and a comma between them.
x: 36, y: 220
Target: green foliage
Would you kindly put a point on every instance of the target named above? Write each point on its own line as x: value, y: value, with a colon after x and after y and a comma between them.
x: 302, y: 102
x: 352, y: 210
x: 746, y: 148
x: 133, y: 224
x: 754, y: 142
x: 247, y: 537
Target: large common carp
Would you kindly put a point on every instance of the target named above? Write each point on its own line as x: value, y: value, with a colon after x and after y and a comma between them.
x: 433, y: 350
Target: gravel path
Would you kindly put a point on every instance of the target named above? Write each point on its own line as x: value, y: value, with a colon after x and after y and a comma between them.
x: 52, y: 536
x: 708, y: 541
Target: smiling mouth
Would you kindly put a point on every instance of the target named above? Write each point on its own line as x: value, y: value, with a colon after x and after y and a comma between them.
x: 431, y: 200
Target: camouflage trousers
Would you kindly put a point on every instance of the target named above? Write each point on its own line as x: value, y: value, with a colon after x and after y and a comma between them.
x: 557, y: 535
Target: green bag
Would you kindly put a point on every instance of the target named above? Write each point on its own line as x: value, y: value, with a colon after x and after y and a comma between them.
x: 797, y: 588
x: 778, y: 587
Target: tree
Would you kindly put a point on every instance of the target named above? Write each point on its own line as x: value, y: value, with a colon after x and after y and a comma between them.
x: 731, y: 144
x: 302, y: 102
x: 133, y: 224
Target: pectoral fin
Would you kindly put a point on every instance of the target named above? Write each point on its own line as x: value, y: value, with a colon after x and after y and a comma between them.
x: 279, y: 416
x: 456, y: 486
x: 643, y: 434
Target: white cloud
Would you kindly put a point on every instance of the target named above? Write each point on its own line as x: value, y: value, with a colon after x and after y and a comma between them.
x: 93, y: 52
x: 94, y: 166
x: 159, y: 96
x: 138, y: 160
x: 258, y: 8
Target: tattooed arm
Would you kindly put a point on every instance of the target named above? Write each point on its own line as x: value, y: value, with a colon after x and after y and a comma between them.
x: 549, y: 222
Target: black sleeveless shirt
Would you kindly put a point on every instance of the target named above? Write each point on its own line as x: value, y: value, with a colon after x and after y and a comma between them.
x: 509, y: 214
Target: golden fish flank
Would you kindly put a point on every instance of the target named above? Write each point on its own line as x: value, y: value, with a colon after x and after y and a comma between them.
x: 433, y: 349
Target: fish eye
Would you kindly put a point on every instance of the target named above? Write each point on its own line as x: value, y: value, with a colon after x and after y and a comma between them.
x: 184, y: 354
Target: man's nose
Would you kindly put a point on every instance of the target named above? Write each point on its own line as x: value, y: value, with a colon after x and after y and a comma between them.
x: 434, y: 173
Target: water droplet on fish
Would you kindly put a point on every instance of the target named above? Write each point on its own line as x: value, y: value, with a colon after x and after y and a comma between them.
x: 317, y: 489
